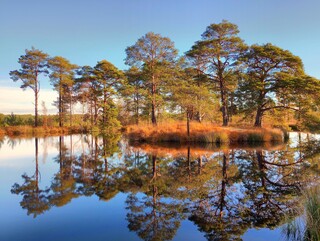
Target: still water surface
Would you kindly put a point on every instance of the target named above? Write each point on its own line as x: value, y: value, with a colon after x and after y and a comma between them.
x: 97, y: 188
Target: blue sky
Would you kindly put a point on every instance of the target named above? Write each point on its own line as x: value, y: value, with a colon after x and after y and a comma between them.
x: 86, y: 31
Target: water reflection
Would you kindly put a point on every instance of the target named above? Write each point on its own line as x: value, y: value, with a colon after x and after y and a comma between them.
x: 34, y: 198
x: 223, y: 191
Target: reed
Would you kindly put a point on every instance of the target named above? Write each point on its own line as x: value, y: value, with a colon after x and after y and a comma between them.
x: 306, y: 227
x: 312, y: 209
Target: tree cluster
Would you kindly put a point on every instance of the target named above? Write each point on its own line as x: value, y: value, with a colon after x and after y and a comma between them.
x: 219, y: 72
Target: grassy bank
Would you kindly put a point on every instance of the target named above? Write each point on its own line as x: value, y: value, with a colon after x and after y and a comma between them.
x: 39, y: 131
x: 202, y: 133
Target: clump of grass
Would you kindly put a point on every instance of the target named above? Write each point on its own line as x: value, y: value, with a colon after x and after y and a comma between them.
x: 307, y: 227
x: 255, y: 137
x: 312, y: 209
x: 211, y: 137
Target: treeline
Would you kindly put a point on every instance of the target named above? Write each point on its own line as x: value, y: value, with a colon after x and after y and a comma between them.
x: 28, y: 120
x: 220, y: 73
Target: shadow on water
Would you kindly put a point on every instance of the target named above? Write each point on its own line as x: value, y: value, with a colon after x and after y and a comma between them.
x: 222, y: 190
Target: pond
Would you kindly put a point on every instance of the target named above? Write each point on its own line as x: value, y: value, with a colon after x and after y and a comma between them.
x: 84, y: 187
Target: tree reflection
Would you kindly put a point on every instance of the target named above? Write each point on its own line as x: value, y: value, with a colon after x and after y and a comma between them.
x: 223, y: 192
x: 270, y: 190
x: 63, y: 186
x: 35, y: 199
x: 83, y: 174
x: 152, y: 214
x: 217, y: 210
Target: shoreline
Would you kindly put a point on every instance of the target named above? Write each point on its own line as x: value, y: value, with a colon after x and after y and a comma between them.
x: 22, y: 131
x: 173, y: 133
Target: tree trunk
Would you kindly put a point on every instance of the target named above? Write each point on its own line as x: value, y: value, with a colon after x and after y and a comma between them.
x: 60, y: 107
x: 198, y: 115
x: 154, y: 166
x: 36, y: 94
x: 224, y: 99
x: 36, y: 108
x: 224, y: 105
x: 106, y: 169
x: 260, y: 159
x: 231, y: 109
x: 153, y: 104
x: 36, y: 144
x: 188, y: 125
x: 199, y: 165
x: 222, y: 202
x: 91, y: 113
x: 104, y: 109
x: 189, y: 163
x: 258, y: 121
x: 137, y: 110
x: 95, y: 112
x: 70, y: 103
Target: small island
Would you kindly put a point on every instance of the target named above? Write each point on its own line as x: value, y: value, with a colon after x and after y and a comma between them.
x: 224, y: 91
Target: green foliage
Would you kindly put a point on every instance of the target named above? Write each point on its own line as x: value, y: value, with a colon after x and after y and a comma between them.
x: 260, y: 81
x: 62, y: 79
x: 16, y: 120
x: 271, y: 75
x: 109, y: 80
x: 33, y: 64
x: 2, y: 120
x: 217, y: 56
x: 311, y: 122
x: 135, y: 97
x: 110, y: 123
x: 155, y: 56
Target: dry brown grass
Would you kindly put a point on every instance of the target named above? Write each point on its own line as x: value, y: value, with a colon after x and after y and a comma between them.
x: 201, y: 133
x: 2, y: 133
x: 38, y: 131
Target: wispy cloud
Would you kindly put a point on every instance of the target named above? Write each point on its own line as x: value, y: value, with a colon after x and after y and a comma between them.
x: 22, y: 102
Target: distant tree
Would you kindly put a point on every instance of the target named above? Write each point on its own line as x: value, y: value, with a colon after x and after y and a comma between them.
x: 155, y: 56
x: 109, y: 80
x: 87, y: 90
x: 217, y: 55
x: 195, y: 72
x: 306, y: 99
x: 33, y: 64
x: 134, y: 93
x: 272, y: 76
x: 62, y: 79
x: 13, y: 120
x: 192, y: 97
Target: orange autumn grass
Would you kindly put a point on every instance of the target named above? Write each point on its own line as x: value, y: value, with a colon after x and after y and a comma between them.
x: 38, y: 131
x: 201, y: 133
